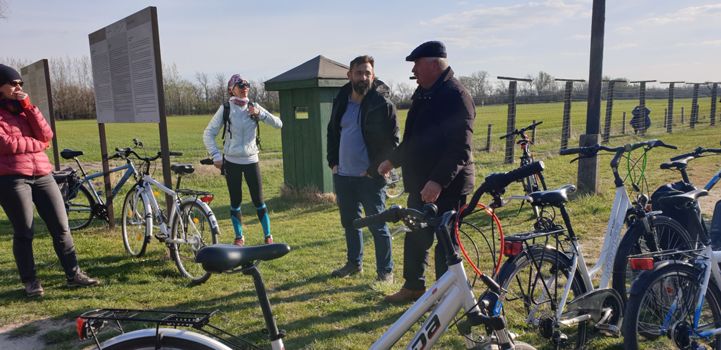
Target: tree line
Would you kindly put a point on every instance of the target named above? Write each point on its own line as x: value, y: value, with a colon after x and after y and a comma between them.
x: 74, y: 98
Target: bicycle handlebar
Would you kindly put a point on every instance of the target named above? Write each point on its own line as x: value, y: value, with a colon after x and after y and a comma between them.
x: 590, y: 151
x: 497, y: 182
x: 522, y: 130
x: 207, y: 161
x: 396, y: 213
x: 696, y: 153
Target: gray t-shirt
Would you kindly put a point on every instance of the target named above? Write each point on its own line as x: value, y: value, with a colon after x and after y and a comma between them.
x: 353, y: 153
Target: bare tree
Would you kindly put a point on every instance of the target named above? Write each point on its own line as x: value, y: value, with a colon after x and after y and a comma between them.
x: 544, y: 84
x: 477, y: 84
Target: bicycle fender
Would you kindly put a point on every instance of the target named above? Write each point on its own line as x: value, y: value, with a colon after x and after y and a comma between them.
x: 167, y: 333
x: 534, y: 250
x: 636, y: 285
x: 206, y: 209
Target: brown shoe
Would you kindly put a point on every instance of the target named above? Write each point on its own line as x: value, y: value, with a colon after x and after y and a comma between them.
x: 269, y: 240
x: 34, y: 289
x: 404, y: 295
x: 239, y: 242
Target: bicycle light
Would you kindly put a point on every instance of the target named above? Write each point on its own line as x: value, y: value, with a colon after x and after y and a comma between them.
x: 512, y: 248
x: 80, y: 328
x: 207, y: 198
x: 640, y: 264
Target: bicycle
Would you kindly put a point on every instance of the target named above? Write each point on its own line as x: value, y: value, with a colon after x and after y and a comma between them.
x: 449, y: 295
x: 548, y: 283
x: 184, y: 230
x: 83, y: 202
x: 657, y: 320
x: 531, y: 183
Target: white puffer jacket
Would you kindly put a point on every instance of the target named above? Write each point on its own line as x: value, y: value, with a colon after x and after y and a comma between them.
x: 240, y: 147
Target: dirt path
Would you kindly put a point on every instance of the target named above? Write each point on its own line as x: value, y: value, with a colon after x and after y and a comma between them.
x: 32, y: 339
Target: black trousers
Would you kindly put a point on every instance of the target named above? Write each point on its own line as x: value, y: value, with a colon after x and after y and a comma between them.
x: 234, y: 179
x: 416, y: 244
x: 17, y: 196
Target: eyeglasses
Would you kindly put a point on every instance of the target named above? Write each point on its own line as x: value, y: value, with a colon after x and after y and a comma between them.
x: 243, y: 85
x: 16, y: 83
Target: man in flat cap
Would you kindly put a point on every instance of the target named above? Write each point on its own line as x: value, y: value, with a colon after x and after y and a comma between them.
x: 435, y: 154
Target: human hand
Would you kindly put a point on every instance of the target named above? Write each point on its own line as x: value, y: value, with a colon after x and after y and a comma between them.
x: 253, y: 111
x: 431, y: 191
x: 385, y: 167
x: 334, y: 169
x: 20, y: 95
x: 218, y: 164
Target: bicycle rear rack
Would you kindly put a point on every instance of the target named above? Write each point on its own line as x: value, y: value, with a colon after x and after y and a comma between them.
x: 160, y: 317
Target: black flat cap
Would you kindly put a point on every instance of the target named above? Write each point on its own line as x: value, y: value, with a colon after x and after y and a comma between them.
x: 428, y: 49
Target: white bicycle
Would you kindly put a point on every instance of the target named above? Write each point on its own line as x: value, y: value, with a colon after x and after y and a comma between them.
x: 450, y: 296
x: 190, y: 226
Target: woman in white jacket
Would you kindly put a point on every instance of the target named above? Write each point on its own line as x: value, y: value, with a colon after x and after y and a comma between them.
x: 240, y: 152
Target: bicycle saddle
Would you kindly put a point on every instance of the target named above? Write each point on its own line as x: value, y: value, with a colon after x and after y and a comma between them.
x: 677, y: 164
x: 182, y: 168
x: 70, y: 154
x: 683, y: 199
x: 219, y: 258
x: 552, y: 197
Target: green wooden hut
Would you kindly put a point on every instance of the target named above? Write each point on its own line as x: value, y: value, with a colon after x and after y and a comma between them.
x: 306, y: 95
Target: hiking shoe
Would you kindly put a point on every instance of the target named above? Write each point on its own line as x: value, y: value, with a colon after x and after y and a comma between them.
x: 405, y: 295
x: 347, y: 270
x: 385, y: 277
x: 82, y: 280
x: 34, y: 289
x: 269, y: 240
x: 239, y: 242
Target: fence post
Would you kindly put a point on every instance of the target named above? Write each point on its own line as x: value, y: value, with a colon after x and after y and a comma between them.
x: 623, y: 124
x: 511, y: 122
x: 665, y: 117
x: 669, y: 114
x: 566, y: 128
x: 609, y: 111
x: 533, y: 133
x: 694, y: 106
x: 488, y: 138
x: 642, y: 103
x: 714, y: 96
x: 683, y: 121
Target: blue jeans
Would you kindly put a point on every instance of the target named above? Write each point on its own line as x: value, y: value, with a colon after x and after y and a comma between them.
x: 351, y: 193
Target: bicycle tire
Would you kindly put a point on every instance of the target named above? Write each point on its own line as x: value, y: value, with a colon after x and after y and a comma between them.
x: 137, y: 223
x: 193, y: 219
x: 80, y: 209
x: 523, y: 307
x: 669, y: 234
x: 645, y: 310
x: 171, y: 339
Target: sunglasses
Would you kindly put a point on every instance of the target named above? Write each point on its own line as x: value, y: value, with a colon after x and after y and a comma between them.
x: 243, y: 85
x: 16, y: 83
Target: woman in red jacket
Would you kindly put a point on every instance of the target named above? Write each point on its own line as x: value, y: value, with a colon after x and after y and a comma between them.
x: 25, y: 179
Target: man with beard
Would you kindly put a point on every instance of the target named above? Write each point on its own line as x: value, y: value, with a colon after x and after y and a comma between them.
x: 435, y: 155
x: 362, y: 132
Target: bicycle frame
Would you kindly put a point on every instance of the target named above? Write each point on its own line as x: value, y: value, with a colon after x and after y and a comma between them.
x: 146, y: 184
x: 129, y: 172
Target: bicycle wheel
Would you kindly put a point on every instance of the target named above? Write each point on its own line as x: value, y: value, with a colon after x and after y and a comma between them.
x: 667, y: 298
x: 80, y: 209
x: 534, y: 282
x: 137, y: 223
x: 171, y: 339
x: 667, y: 234
x: 394, y: 186
x: 193, y: 228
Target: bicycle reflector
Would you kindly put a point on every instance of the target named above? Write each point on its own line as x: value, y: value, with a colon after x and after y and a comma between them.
x: 512, y: 248
x: 80, y: 328
x: 207, y: 198
x: 639, y: 264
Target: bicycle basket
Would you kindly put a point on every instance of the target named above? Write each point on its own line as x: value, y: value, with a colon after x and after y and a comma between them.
x: 68, y: 182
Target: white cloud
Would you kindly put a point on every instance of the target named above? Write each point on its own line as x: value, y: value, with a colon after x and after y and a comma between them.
x: 687, y: 14
x: 700, y: 43
x: 622, y: 46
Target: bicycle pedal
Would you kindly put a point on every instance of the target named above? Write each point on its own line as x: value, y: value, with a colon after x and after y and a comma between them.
x: 609, y: 329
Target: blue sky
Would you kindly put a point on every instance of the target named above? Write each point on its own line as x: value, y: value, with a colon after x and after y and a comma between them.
x: 645, y: 39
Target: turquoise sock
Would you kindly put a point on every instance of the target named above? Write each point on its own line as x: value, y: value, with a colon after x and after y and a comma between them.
x: 235, y: 216
x: 264, y: 219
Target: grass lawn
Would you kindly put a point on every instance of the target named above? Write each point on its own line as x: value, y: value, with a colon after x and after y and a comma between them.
x: 316, y: 311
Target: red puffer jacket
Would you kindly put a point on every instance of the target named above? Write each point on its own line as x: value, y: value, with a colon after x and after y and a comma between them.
x: 23, y: 140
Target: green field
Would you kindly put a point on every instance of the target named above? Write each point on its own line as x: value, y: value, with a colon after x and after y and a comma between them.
x: 316, y: 311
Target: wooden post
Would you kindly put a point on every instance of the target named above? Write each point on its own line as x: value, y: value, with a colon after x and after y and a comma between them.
x: 623, y: 124
x: 566, y: 128
x: 714, y: 98
x: 533, y: 133
x: 511, y: 121
x: 694, y: 106
x: 682, y: 117
x: 606, y: 135
x: 669, y: 114
x: 488, y: 138
x: 665, y: 117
